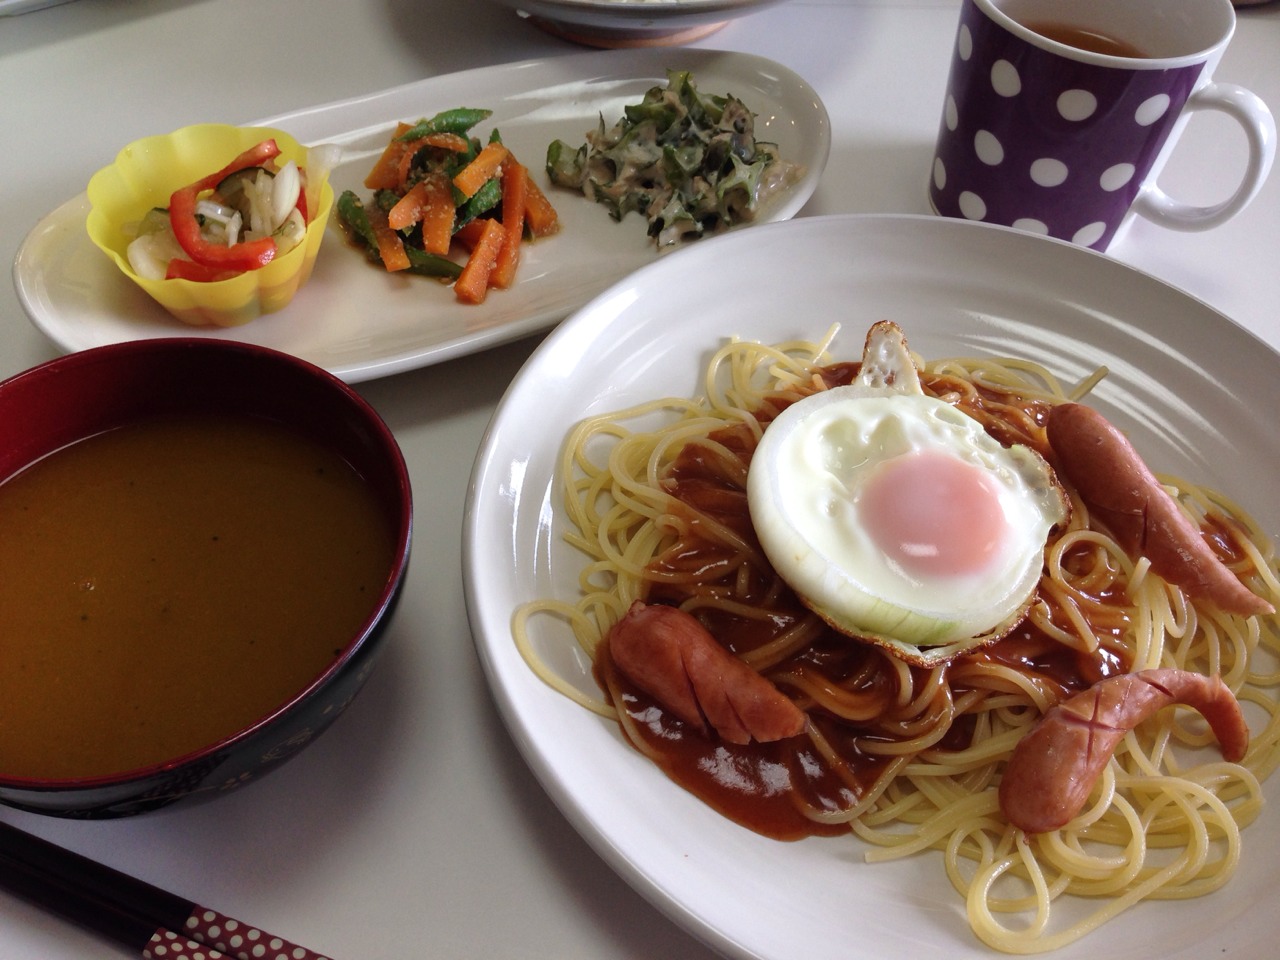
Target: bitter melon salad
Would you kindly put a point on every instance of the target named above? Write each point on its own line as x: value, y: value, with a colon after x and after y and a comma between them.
x: 687, y: 161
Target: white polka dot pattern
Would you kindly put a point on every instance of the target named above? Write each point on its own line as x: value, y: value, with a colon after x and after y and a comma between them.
x: 1005, y: 80
x: 167, y: 945
x: 1044, y: 142
x: 1113, y: 178
x: 988, y: 148
x: 233, y: 939
x: 1149, y: 111
x: 1032, y: 226
x: 1088, y: 235
x: 1077, y: 105
x: 972, y: 206
x: 1047, y: 172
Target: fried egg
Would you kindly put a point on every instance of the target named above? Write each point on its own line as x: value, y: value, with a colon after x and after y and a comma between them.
x: 896, y: 517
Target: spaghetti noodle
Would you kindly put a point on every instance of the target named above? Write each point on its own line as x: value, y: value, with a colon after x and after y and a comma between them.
x: 908, y: 758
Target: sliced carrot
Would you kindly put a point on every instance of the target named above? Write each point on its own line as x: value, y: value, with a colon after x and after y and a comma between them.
x: 408, y: 209
x: 469, y: 233
x: 515, y: 194
x: 539, y: 214
x: 385, y: 174
x: 482, y: 169
x: 446, y: 141
x: 438, y: 215
x: 390, y: 246
x: 473, y: 283
x: 429, y: 202
x: 406, y: 162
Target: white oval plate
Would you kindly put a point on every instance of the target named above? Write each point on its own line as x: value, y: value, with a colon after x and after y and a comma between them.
x: 359, y: 322
x: 609, y: 23
x: 1185, y: 382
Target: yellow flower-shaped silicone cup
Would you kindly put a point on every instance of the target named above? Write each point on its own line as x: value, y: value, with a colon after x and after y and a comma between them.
x: 146, y: 173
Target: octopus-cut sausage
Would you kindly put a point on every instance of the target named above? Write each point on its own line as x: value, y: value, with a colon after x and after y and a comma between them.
x: 671, y: 656
x: 1053, y: 768
x: 1121, y: 490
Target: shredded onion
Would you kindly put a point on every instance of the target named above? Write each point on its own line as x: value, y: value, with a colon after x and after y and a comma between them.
x: 285, y: 189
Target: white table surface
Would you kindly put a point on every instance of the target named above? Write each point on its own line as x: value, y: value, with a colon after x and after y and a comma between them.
x: 413, y: 828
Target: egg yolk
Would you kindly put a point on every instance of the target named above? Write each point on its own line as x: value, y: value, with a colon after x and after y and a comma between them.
x: 932, y: 514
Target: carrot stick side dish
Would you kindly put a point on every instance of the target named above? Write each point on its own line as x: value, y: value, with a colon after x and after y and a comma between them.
x: 448, y: 206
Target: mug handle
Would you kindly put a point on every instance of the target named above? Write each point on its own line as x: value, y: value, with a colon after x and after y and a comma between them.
x: 1260, y: 129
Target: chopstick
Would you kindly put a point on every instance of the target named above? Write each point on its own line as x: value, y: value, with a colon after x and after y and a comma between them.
x: 158, y: 924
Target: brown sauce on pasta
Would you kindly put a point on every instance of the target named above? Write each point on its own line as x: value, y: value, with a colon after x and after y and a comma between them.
x: 166, y: 584
x: 860, y: 700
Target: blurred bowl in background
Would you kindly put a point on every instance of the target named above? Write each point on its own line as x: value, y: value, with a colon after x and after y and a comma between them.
x: 146, y: 173
x: 220, y: 590
x: 634, y: 23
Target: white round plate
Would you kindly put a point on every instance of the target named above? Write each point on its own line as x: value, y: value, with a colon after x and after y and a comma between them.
x: 627, y: 23
x: 360, y: 322
x: 1189, y: 386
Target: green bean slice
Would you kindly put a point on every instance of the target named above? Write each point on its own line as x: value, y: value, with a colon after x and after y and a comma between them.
x: 458, y: 120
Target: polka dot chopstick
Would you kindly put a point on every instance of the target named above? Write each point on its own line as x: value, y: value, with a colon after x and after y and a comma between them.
x: 156, y: 923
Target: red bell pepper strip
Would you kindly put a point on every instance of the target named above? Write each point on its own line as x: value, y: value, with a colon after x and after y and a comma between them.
x: 302, y: 202
x: 182, y: 217
x: 180, y: 269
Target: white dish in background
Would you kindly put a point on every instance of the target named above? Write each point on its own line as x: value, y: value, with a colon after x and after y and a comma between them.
x: 634, y: 23
x: 360, y: 322
x: 9, y: 8
x: 1183, y: 383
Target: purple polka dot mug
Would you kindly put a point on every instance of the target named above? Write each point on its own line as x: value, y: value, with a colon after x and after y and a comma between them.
x: 1059, y: 116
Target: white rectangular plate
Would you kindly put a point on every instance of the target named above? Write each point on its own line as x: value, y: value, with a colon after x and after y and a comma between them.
x: 360, y: 322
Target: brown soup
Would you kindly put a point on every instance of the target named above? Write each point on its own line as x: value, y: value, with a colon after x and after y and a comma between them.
x: 164, y: 585
x: 1085, y: 38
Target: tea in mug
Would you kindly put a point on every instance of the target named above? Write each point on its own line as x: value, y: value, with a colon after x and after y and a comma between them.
x: 1085, y: 38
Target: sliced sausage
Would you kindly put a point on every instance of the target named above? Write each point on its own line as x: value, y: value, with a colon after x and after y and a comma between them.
x: 671, y: 656
x: 1098, y: 460
x: 1053, y: 768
